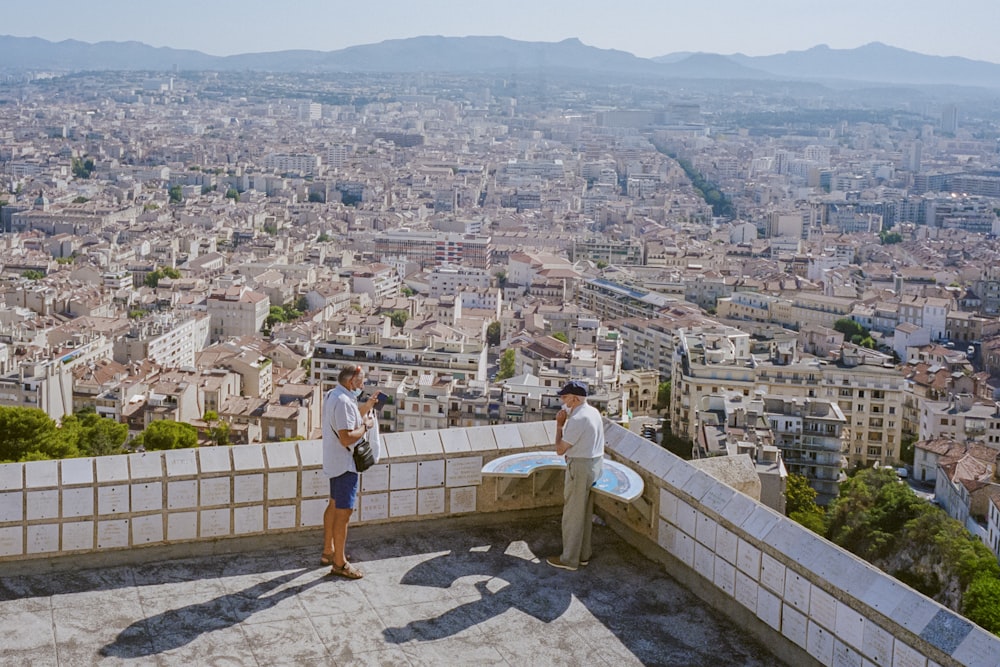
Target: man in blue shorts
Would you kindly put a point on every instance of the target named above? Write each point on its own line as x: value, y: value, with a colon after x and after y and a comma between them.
x: 345, y: 423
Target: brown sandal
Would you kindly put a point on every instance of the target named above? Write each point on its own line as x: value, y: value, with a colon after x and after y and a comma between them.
x: 326, y: 559
x: 347, y: 570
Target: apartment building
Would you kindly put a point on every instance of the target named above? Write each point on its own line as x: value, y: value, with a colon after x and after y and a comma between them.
x: 236, y: 311
x: 166, y: 339
x: 431, y: 249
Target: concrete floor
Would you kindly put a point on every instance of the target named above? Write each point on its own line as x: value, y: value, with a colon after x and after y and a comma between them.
x: 435, y: 593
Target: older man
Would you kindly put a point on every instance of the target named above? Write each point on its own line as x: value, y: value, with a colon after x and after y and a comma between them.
x: 580, y: 438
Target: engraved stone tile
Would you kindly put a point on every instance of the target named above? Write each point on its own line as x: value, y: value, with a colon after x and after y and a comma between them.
x: 113, y: 499
x: 78, y: 536
x: 143, y: 465
x: 12, y: 506
x: 883, y: 595
x: 182, y: 494
x: 74, y: 471
x: 248, y: 519
x: 482, y: 439
x: 216, y: 490
x: 455, y: 441
x: 746, y: 591
x: 793, y: 625
x: 850, y: 626
x: 248, y: 457
x: 684, y: 549
x: 146, y: 496
x: 403, y: 503
x: 181, y: 462
x: 668, y: 506
x: 427, y: 443
x: 678, y: 475
x: 250, y: 488
x: 761, y: 521
x: 281, y: 455
x: 182, y: 526
x: 687, y: 518
x: 112, y: 534
x: 726, y: 544
x: 946, y: 630
x: 215, y: 523
x: 314, y: 484
x: 907, y: 656
x: 769, y: 608
x: 374, y: 506
x: 665, y: 535
x: 403, y: 476
x: 147, y: 529
x: 12, y: 475
x: 112, y: 468
x: 877, y: 644
x: 11, y: 541
x: 738, y: 509
x: 797, y: 590
x: 978, y: 649
x: 214, y: 459
x: 78, y: 502
x: 43, y: 538
x: 533, y: 434
x: 705, y: 530
x: 663, y: 464
x: 647, y: 456
x: 845, y: 656
x: 748, y: 559
x: 311, y: 453
x: 823, y: 608
x: 281, y: 485
x: 725, y: 577
x: 430, y: 501
x: 625, y: 446
x: 819, y: 643
x: 914, y: 611
x: 699, y: 483
x: 398, y: 445
x: 704, y: 561
x: 717, y: 497
x: 39, y: 474
x: 430, y: 473
x: 462, y: 499
x: 280, y: 517
x: 464, y: 471
x: 311, y: 512
x: 772, y: 573
x: 507, y: 437
x: 375, y: 478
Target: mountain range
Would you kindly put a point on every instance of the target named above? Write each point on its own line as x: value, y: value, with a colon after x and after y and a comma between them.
x: 872, y: 63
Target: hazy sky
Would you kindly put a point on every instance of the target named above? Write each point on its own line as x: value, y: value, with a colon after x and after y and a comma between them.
x: 645, y: 28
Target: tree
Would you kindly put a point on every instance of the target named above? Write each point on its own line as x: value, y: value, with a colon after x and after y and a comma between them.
x: 888, y: 238
x: 96, y: 435
x: 800, y: 503
x: 507, y: 364
x: 560, y: 336
x: 165, y: 434
x: 501, y: 277
x: 33, y: 274
x: 176, y: 194
x: 233, y: 193
x: 30, y: 434
x: 493, y: 333
x: 398, y: 318
x: 219, y: 434
x: 663, y: 396
x: 849, y: 328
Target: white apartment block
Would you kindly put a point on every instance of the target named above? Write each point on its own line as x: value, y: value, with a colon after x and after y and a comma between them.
x: 960, y: 418
x: 451, y: 278
x: 297, y: 163
x: 165, y: 340
x: 236, y: 311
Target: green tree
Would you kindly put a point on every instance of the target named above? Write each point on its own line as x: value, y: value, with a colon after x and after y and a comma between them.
x: 323, y: 237
x: 849, y: 328
x: 233, y: 193
x: 981, y: 602
x: 663, y: 396
x: 95, y: 435
x: 800, y: 503
x: 165, y: 434
x: 888, y: 238
x: 33, y: 274
x: 30, y: 434
x: 176, y: 194
x: 560, y: 336
x: 501, y: 277
x: 399, y: 317
x: 870, y: 512
x: 219, y: 434
x: 507, y: 364
x: 493, y: 333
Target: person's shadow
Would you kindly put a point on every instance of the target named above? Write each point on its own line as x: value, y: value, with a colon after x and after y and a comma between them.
x: 176, y: 627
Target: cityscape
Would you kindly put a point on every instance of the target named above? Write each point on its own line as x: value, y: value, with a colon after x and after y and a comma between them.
x: 802, y: 273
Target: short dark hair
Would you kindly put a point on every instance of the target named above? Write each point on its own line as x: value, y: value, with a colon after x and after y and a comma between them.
x: 347, y: 373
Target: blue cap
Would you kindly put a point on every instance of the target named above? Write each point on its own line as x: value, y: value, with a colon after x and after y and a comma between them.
x: 574, y: 387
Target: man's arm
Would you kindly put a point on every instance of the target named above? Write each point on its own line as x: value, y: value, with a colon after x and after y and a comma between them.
x: 561, y: 445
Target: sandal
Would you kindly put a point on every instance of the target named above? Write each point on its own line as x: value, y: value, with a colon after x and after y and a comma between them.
x: 327, y: 559
x: 347, y: 570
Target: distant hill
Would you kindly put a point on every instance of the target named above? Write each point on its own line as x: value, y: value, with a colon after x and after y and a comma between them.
x: 874, y: 63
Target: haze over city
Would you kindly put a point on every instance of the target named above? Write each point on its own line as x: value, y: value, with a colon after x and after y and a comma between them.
x: 648, y: 28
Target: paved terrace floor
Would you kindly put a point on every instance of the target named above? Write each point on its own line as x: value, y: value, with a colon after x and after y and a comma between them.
x: 434, y: 593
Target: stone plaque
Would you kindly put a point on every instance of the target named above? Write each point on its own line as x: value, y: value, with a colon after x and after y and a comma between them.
x: 248, y: 520
x: 375, y: 478
x: 112, y: 499
x: 147, y: 529
x: 144, y: 465
x: 214, y: 459
x: 666, y: 535
x: 78, y: 536
x: 12, y: 475
x: 748, y: 558
x: 39, y: 474
x: 182, y: 526
x: 430, y: 473
x: 845, y: 656
x: 77, y: 471
x: 430, y: 501
x: 281, y: 485
x: 726, y: 544
x: 112, y: 534
x: 772, y: 573
x: 248, y: 457
x: 769, y: 608
x: 147, y: 497
x: 181, y: 462
x: 12, y: 506
x: 374, y: 507
x: 215, y: 523
x: 684, y: 548
x: 402, y: 476
x: 906, y: 656
x: 746, y: 591
x: 311, y: 512
x: 214, y: 491
x: 462, y: 499
x: 112, y: 468
x: 315, y: 484
x: 793, y: 625
x: 78, y: 502
x: 704, y: 561
x: 819, y: 643
x: 43, y: 504
x: 687, y: 518
x: 725, y: 576
x: 281, y: 455
x: 877, y: 644
x: 668, y: 506
x: 311, y: 453
x: 797, y: 591
x: 850, y: 626
x: 250, y: 488
x: 281, y: 517
x: 403, y: 502
x: 182, y: 494
x: 43, y: 538
x: 823, y: 608
x: 11, y: 541
x: 464, y: 471
x: 705, y: 531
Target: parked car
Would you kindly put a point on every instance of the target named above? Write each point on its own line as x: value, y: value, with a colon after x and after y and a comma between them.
x: 902, y: 473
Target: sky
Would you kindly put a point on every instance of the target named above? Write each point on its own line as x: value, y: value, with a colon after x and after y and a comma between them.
x: 645, y: 28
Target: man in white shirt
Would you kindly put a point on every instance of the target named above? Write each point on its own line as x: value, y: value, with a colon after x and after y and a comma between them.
x: 345, y: 423
x: 580, y: 438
